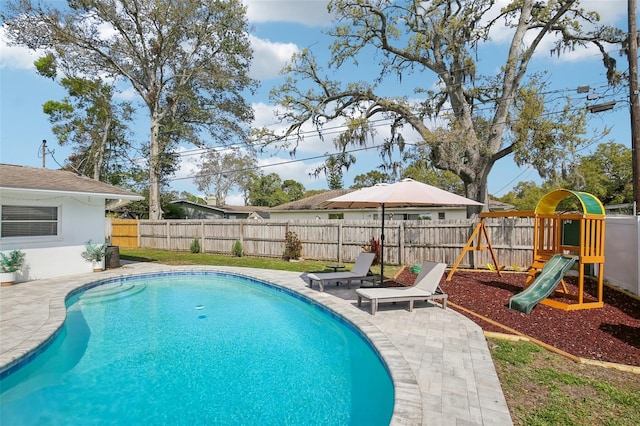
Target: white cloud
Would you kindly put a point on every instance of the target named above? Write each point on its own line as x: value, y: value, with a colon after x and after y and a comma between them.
x: 235, y: 200
x: 264, y: 114
x: 312, y: 145
x: 269, y: 57
x: 288, y: 168
x: 611, y: 13
x: 127, y: 94
x: 16, y: 57
x: 307, y: 12
x: 187, y: 168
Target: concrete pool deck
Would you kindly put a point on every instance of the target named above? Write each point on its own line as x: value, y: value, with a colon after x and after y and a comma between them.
x: 439, y: 360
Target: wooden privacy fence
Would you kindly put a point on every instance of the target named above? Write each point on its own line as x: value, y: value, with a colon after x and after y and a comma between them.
x: 406, y: 242
x: 124, y: 232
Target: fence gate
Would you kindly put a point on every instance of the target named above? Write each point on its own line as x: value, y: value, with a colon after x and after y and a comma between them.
x: 124, y: 232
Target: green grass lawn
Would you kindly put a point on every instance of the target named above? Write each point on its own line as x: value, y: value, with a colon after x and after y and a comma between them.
x: 544, y: 388
x: 188, y: 258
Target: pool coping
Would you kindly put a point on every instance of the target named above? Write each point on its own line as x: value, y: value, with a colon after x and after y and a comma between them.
x: 19, y: 338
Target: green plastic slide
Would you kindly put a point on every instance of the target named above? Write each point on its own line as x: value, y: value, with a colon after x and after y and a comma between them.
x: 544, y: 284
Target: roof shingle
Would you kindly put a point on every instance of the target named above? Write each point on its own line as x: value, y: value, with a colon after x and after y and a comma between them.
x: 41, y: 179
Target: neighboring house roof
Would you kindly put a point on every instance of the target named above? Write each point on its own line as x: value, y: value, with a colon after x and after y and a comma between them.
x: 314, y: 202
x: 495, y: 205
x: 227, y: 210
x: 41, y: 179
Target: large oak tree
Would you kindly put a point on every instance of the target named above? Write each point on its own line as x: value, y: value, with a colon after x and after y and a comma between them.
x: 188, y: 61
x: 486, y: 117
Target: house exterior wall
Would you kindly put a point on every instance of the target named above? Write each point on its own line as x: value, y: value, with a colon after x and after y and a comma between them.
x: 195, y: 212
x: 369, y: 214
x: 80, y: 218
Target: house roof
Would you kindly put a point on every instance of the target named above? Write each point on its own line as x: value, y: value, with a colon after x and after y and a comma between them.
x: 226, y: 208
x: 495, y: 205
x: 40, y: 179
x: 315, y: 202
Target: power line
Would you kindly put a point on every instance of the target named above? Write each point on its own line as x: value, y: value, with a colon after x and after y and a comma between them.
x: 333, y: 130
x: 281, y: 163
x: 374, y: 146
x: 527, y: 169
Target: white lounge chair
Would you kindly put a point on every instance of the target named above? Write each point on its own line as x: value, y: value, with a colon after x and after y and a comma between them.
x: 358, y: 273
x: 425, y: 287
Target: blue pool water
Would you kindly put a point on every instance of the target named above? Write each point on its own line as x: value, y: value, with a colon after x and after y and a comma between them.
x: 199, y: 349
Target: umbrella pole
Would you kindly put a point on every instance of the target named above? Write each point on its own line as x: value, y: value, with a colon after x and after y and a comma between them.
x: 382, y: 249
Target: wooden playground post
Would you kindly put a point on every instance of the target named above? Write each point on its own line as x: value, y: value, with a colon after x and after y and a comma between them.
x: 554, y: 234
x: 481, y: 230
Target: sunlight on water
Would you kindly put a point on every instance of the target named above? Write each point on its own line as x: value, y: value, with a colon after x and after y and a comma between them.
x: 199, y: 349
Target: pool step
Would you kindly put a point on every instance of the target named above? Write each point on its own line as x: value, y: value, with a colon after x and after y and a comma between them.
x: 110, y: 292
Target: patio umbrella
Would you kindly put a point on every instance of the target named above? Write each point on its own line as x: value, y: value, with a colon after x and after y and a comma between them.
x: 405, y: 193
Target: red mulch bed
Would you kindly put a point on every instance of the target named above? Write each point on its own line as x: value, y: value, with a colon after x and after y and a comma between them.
x: 611, y: 333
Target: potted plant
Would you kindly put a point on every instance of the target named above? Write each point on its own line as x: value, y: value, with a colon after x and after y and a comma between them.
x: 9, y: 266
x: 95, y: 253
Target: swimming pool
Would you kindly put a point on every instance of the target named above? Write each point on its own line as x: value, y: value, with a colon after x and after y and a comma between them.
x: 200, y: 348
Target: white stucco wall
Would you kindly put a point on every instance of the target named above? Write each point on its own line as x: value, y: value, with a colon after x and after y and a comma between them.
x: 81, y: 218
x: 622, y: 252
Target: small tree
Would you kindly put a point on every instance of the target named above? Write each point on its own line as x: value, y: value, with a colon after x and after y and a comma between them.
x: 292, y: 246
x: 219, y: 172
x: 195, y: 245
x: 236, y: 249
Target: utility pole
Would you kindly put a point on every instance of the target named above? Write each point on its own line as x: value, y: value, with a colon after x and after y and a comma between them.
x: 44, y: 153
x: 633, y: 97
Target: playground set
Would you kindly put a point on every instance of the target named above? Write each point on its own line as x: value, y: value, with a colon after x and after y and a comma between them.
x: 561, y: 240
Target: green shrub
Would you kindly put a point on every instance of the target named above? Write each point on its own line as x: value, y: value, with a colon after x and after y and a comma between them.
x: 292, y: 246
x: 195, y: 246
x: 236, y: 249
x: 13, y: 262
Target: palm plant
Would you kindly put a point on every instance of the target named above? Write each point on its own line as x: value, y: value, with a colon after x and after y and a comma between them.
x: 12, y: 262
x: 94, y: 252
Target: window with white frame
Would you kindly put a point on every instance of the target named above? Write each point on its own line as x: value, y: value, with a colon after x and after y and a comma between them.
x: 28, y: 221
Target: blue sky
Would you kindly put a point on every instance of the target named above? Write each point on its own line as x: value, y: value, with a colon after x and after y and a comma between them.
x: 280, y: 28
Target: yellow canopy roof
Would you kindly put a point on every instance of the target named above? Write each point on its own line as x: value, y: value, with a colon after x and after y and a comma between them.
x: 548, y: 203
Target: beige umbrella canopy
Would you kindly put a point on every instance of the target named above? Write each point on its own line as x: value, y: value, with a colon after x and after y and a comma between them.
x: 405, y: 193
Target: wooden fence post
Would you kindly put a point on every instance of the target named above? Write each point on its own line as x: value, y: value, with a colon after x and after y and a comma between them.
x: 168, y: 235
x: 340, y: 237
x: 202, y: 238
x: 401, y: 246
